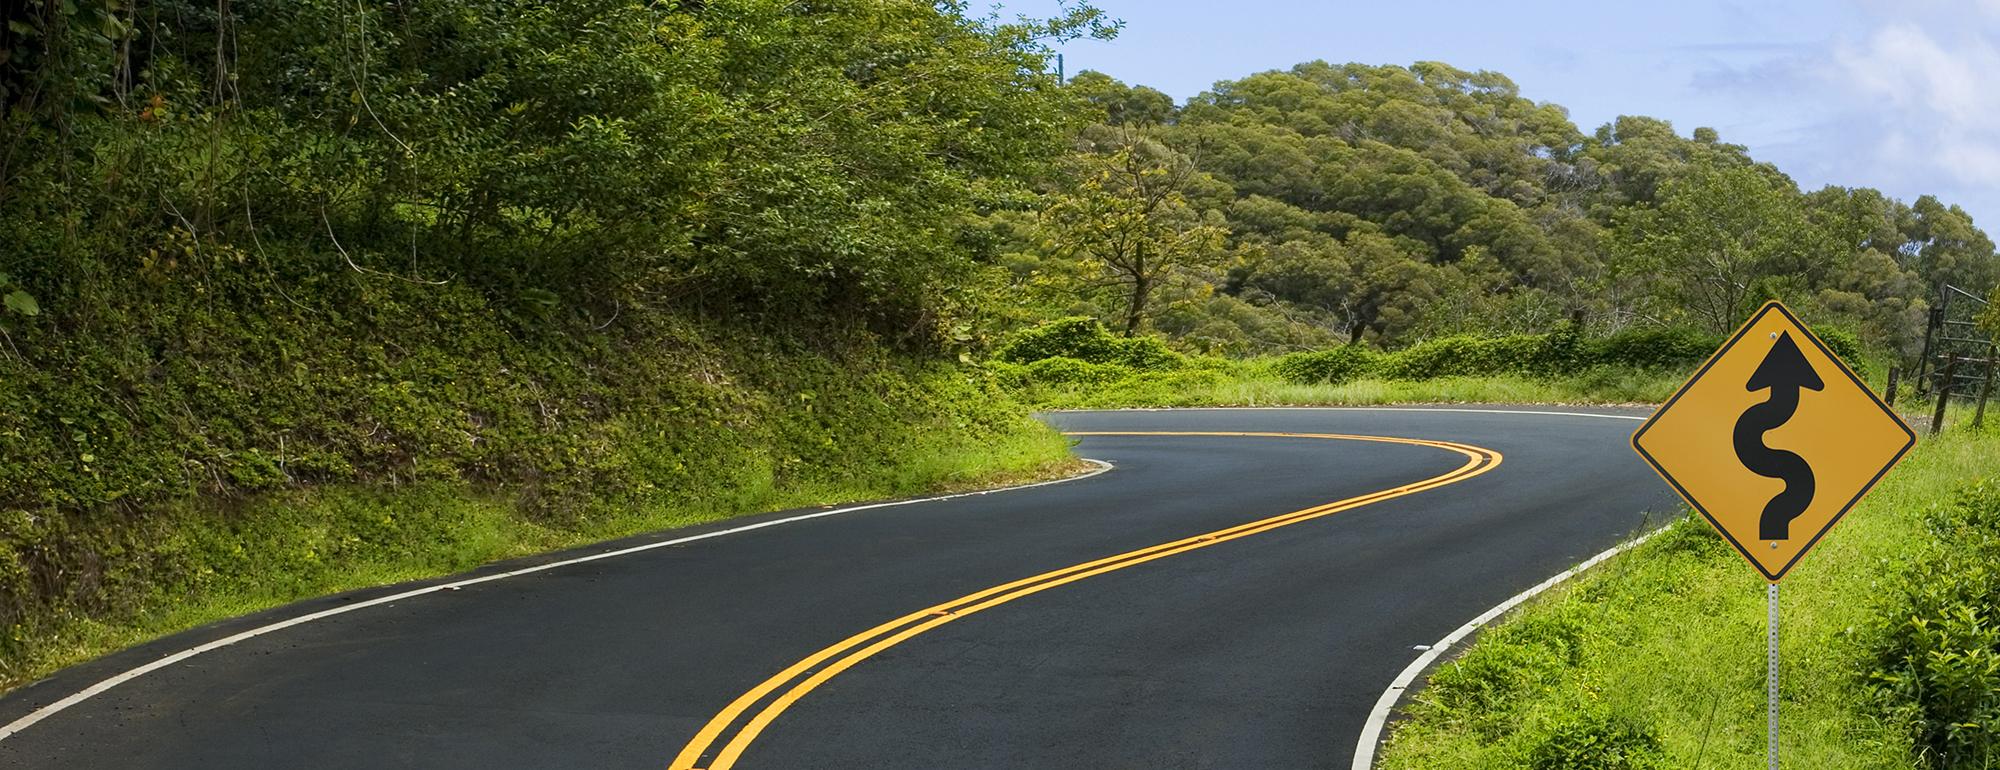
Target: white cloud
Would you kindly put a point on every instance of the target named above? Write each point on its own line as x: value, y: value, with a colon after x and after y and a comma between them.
x: 1929, y: 97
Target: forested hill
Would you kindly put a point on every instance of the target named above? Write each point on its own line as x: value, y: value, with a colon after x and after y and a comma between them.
x: 301, y: 294
x: 1390, y: 204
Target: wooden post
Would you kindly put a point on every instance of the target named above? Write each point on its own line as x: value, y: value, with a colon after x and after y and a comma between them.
x: 1931, y: 328
x: 1986, y: 389
x: 1889, y: 395
x: 1945, y: 376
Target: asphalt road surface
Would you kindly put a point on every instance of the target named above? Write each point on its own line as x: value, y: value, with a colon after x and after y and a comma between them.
x: 1199, y: 606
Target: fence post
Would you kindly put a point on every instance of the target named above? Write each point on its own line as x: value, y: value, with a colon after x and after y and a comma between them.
x: 1932, y: 323
x: 1944, y: 392
x: 1986, y: 389
x: 1889, y: 396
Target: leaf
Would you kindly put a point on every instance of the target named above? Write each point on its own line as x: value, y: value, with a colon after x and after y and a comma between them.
x: 19, y: 302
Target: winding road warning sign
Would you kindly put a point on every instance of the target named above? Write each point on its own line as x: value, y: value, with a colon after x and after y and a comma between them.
x: 1773, y: 440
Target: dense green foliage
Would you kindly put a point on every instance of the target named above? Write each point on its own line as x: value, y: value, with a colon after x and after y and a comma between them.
x: 1076, y: 362
x: 583, y: 257
x: 1937, y: 645
x: 1393, y: 204
x: 755, y: 158
x: 1085, y: 339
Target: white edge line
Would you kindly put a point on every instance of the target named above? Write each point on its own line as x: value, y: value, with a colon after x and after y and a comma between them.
x: 100, y: 688
x: 1373, y: 727
x: 1378, y: 719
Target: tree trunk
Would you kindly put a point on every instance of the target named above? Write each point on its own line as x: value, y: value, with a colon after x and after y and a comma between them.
x: 1142, y: 286
x: 1135, y: 311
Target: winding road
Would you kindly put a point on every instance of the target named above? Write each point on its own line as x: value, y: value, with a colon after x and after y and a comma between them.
x: 1236, y: 592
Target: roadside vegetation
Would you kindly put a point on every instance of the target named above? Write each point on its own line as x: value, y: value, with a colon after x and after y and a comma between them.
x: 1656, y: 658
x: 307, y: 295
x: 1076, y: 363
x: 300, y: 295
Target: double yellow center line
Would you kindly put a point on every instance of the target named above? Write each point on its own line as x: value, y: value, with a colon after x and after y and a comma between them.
x: 771, y: 697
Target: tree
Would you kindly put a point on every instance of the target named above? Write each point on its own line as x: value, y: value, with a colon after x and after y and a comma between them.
x: 1121, y: 104
x: 1945, y: 248
x: 1393, y: 202
x: 1127, y: 219
x: 1720, y: 240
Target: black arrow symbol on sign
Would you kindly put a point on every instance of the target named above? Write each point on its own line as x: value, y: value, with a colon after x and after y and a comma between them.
x: 1785, y: 370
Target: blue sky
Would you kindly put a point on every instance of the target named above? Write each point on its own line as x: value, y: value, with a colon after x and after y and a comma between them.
x: 1901, y: 96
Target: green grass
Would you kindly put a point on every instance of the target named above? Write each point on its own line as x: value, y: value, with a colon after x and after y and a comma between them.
x: 275, y: 548
x: 1252, y: 388
x: 1660, y: 651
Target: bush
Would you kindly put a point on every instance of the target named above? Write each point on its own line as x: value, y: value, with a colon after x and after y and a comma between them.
x: 1654, y: 348
x: 1147, y: 353
x: 1331, y: 367
x: 1063, y: 370
x: 1564, y: 351
x: 1937, y: 646
x: 1078, y: 337
x: 1085, y: 339
x: 1465, y: 356
x: 1844, y: 344
x: 1598, y: 739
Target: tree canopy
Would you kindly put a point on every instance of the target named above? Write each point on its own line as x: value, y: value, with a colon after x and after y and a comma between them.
x: 1391, y: 203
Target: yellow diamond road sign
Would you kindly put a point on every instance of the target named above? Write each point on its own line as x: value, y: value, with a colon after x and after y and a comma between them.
x: 1773, y: 440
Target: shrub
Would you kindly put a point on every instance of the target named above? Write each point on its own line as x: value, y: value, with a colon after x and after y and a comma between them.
x: 1465, y: 356
x: 1937, y: 645
x: 1563, y: 351
x: 1085, y: 339
x: 1147, y: 353
x: 1844, y: 344
x: 1654, y: 348
x: 1598, y: 739
x: 1078, y: 337
x: 1063, y: 370
x: 1332, y: 366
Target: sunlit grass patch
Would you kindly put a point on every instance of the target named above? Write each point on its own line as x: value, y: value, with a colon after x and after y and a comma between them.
x: 1662, y: 648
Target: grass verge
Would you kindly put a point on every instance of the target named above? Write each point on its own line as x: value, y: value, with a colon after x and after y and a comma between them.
x: 1210, y: 388
x: 1656, y: 658
x: 273, y: 548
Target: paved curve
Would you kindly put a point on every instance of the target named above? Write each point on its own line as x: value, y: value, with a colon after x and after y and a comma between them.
x: 1260, y: 652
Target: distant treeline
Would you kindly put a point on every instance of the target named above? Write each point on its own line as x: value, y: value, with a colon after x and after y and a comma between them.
x: 1392, y: 204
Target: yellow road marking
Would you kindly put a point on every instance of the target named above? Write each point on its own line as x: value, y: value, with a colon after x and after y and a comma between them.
x: 858, y: 647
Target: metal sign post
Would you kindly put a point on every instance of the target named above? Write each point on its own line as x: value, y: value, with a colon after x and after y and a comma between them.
x: 1771, y: 677
x: 1774, y: 403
